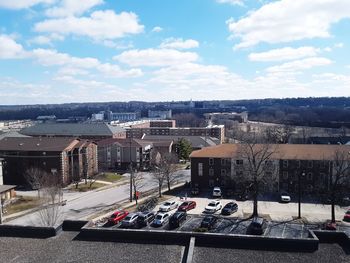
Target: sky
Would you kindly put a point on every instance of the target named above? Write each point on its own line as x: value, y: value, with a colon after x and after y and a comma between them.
x: 58, y: 51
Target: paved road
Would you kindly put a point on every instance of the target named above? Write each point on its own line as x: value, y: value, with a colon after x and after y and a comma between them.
x: 88, y: 204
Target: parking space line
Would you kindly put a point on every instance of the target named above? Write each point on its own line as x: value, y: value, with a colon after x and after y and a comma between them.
x: 234, y: 225
x: 302, y: 231
x: 284, y: 228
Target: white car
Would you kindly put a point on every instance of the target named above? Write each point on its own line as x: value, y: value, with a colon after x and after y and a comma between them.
x: 217, y: 192
x: 213, y: 206
x: 285, y: 197
x: 161, y: 219
x: 168, y: 205
x: 130, y: 220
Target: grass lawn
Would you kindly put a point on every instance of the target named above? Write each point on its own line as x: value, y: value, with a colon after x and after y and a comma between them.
x: 109, y: 177
x: 23, y: 203
x: 86, y: 187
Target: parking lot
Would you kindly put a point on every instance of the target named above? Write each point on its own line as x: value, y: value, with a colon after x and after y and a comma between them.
x: 281, y: 217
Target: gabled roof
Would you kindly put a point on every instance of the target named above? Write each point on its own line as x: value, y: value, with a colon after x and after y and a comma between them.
x: 37, y: 144
x: 281, y: 151
x: 124, y: 142
x: 72, y: 129
x: 5, y: 188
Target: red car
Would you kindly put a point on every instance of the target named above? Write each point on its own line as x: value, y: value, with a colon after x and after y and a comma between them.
x: 187, y: 205
x: 347, y: 216
x: 117, y: 216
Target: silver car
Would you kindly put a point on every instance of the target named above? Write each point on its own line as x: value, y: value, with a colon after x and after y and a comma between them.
x: 130, y: 220
x: 168, y: 205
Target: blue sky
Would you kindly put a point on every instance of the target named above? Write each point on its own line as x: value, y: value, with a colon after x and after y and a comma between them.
x: 56, y: 51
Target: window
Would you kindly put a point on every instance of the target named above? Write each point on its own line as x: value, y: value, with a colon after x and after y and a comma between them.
x: 309, y: 187
x: 298, y: 163
x: 223, y: 172
x: 211, y: 172
x: 285, y: 163
x: 285, y: 175
x: 310, y: 164
x: 268, y: 163
x: 223, y: 162
x: 239, y: 162
x: 200, y: 169
x: 211, y: 161
x: 211, y: 183
x: 309, y: 176
x: 44, y: 153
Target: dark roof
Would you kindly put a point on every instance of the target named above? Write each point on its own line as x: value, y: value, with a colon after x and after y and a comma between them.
x: 37, y: 144
x: 72, y: 129
x: 66, y: 247
x: 5, y: 188
x: 196, y: 141
x: 11, y: 134
x: 124, y: 142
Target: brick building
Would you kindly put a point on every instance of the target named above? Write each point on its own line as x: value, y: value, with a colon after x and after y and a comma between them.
x: 69, y: 158
x: 222, y: 165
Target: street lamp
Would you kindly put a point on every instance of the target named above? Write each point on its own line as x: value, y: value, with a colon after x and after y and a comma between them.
x: 299, y: 193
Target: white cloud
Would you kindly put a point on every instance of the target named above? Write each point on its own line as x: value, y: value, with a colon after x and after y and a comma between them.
x: 99, y: 26
x: 339, y: 45
x: 40, y: 40
x: 157, y: 29
x: 300, y: 65
x: 78, y: 66
x: 21, y: 4
x: 179, y: 43
x: 231, y: 2
x: 72, y: 7
x: 10, y: 49
x: 289, y: 20
x: 117, y: 45
x: 286, y: 53
x: 155, y: 57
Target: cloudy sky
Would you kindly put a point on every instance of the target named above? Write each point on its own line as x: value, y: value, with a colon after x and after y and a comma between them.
x: 55, y: 51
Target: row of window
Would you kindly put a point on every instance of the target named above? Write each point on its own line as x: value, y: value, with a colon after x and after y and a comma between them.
x: 310, y: 164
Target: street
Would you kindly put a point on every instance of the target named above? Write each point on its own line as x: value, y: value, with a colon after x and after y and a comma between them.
x: 84, y: 205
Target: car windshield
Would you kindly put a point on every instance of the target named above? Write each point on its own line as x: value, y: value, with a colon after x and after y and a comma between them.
x: 113, y: 216
x: 159, y: 217
x: 207, y: 219
x: 212, y: 204
x: 216, y: 191
x: 184, y: 204
x: 127, y: 218
x: 229, y: 205
x: 167, y: 204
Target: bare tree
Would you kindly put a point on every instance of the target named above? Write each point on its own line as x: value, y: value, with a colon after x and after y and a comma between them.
x: 52, y: 196
x: 168, y: 164
x: 35, y: 177
x: 338, y: 180
x: 137, y: 183
x: 256, y: 166
x: 92, y: 179
x: 158, y: 176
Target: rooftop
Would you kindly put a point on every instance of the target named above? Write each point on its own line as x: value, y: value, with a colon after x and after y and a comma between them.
x: 72, y: 129
x: 37, y: 144
x: 281, y: 151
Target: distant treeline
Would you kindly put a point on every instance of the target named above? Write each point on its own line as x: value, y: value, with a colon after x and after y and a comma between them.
x: 321, y: 112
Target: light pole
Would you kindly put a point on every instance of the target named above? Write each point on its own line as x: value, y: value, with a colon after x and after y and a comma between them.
x: 131, y: 169
x: 299, y: 193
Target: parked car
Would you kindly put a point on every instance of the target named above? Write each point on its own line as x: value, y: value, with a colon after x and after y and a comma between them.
x: 217, y: 192
x: 130, y: 220
x: 208, y: 222
x: 161, y: 219
x: 242, y: 196
x: 213, y: 206
x: 187, y: 205
x: 195, y: 191
x: 229, y: 208
x: 257, y: 226
x: 145, y: 218
x: 284, y: 197
x: 117, y: 217
x: 347, y: 216
x: 168, y: 205
x: 177, y: 218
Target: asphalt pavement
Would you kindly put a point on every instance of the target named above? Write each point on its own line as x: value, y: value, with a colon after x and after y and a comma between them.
x: 88, y: 204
